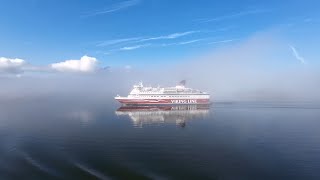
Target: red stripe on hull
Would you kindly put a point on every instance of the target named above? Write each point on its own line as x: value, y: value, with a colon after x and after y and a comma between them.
x: 164, y: 101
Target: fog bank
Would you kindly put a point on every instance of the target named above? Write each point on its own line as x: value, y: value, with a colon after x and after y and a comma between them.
x: 260, y: 68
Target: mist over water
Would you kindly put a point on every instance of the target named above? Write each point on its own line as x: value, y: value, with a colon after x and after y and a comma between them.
x: 262, y: 124
x: 243, y: 71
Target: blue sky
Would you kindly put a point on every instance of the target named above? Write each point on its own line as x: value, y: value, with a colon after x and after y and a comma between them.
x: 142, y: 32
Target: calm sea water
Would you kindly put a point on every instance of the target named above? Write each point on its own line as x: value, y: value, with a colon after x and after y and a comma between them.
x: 91, y: 138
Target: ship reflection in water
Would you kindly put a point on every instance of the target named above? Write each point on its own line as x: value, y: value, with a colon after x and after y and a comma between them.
x: 144, y: 115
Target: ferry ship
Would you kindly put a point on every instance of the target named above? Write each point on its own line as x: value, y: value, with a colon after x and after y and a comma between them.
x: 141, y: 95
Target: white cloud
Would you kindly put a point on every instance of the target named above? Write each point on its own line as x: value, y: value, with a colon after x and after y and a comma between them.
x: 170, y: 36
x: 11, y: 66
x: 117, y: 41
x: 128, y: 48
x: 181, y: 43
x: 297, y: 55
x: 136, y: 39
x: 127, y: 67
x: 223, y: 41
x: 176, y: 35
x: 116, y: 7
x: 235, y: 15
x: 85, y: 64
x: 190, y: 42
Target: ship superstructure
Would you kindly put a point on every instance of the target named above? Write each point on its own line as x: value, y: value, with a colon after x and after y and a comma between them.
x: 164, y: 95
